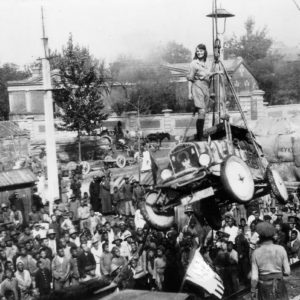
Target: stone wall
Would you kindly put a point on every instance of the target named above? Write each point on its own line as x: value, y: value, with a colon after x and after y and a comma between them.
x: 175, y: 123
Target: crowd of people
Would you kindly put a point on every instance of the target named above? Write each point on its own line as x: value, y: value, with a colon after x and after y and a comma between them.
x: 102, y: 235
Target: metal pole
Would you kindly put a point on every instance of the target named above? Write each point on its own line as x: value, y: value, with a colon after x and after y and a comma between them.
x: 53, y: 187
x: 139, y: 139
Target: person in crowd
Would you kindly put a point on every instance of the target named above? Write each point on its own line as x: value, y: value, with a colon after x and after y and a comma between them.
x: 231, y: 229
x: 105, y: 195
x: 159, y: 267
x: 96, y: 250
x: 74, y: 204
x: 74, y: 271
x: 24, y: 281
x: 105, y: 260
x: 127, y: 191
x: 76, y: 186
x: 60, y: 270
x: 43, y: 279
x: 84, y: 215
x: 94, y: 190
x: 86, y: 263
x: 10, y: 283
x: 269, y: 265
x: 138, y: 193
x: 294, y: 247
x: 233, y: 268
x: 36, y: 200
x: 243, y: 248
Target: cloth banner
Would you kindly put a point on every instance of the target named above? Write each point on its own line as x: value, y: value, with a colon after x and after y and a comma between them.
x: 201, y: 274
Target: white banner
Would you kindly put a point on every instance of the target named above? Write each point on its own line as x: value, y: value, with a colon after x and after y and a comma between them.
x: 200, y: 273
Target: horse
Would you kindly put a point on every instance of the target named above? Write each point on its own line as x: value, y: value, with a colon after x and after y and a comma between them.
x: 158, y: 137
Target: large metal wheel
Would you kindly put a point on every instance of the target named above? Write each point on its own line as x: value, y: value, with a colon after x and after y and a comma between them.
x: 86, y: 167
x: 278, y: 187
x: 157, y: 219
x: 237, y: 180
x: 121, y: 161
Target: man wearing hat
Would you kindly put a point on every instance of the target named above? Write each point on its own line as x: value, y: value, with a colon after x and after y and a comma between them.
x: 269, y: 265
x: 278, y: 220
x: 126, y: 244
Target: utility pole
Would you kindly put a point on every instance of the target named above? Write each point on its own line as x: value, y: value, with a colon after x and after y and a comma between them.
x: 52, y: 172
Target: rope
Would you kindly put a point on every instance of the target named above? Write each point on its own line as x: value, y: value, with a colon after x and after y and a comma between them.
x: 261, y: 166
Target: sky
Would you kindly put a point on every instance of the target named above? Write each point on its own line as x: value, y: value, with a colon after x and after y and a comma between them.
x: 132, y: 27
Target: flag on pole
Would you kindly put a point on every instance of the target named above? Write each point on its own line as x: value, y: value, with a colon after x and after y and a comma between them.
x: 201, y: 274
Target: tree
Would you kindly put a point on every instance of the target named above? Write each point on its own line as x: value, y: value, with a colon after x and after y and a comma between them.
x: 254, y: 47
x: 8, y: 72
x: 176, y: 53
x: 147, y: 87
x: 80, y: 89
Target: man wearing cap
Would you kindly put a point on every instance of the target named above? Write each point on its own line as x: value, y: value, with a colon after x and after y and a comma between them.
x: 28, y: 261
x: 269, y: 265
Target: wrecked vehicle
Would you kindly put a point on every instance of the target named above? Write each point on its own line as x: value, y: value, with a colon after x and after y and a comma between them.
x: 215, y: 173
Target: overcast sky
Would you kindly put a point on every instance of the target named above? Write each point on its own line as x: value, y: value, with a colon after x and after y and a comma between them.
x: 113, y: 27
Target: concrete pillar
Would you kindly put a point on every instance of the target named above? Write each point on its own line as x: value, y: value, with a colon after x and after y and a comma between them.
x: 168, y: 125
x: 258, y: 109
x: 28, y: 101
x: 132, y: 120
x: 245, y: 101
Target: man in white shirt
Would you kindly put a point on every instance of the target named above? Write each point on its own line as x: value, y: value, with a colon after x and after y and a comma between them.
x: 232, y: 230
x: 84, y: 214
x: 24, y: 280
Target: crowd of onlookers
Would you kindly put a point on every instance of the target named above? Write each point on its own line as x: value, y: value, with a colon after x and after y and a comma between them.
x: 102, y: 234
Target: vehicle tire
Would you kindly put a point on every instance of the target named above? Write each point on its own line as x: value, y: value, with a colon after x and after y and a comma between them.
x: 277, y: 185
x: 86, y: 167
x: 211, y: 212
x: 237, y: 180
x: 121, y: 161
x: 160, y: 221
